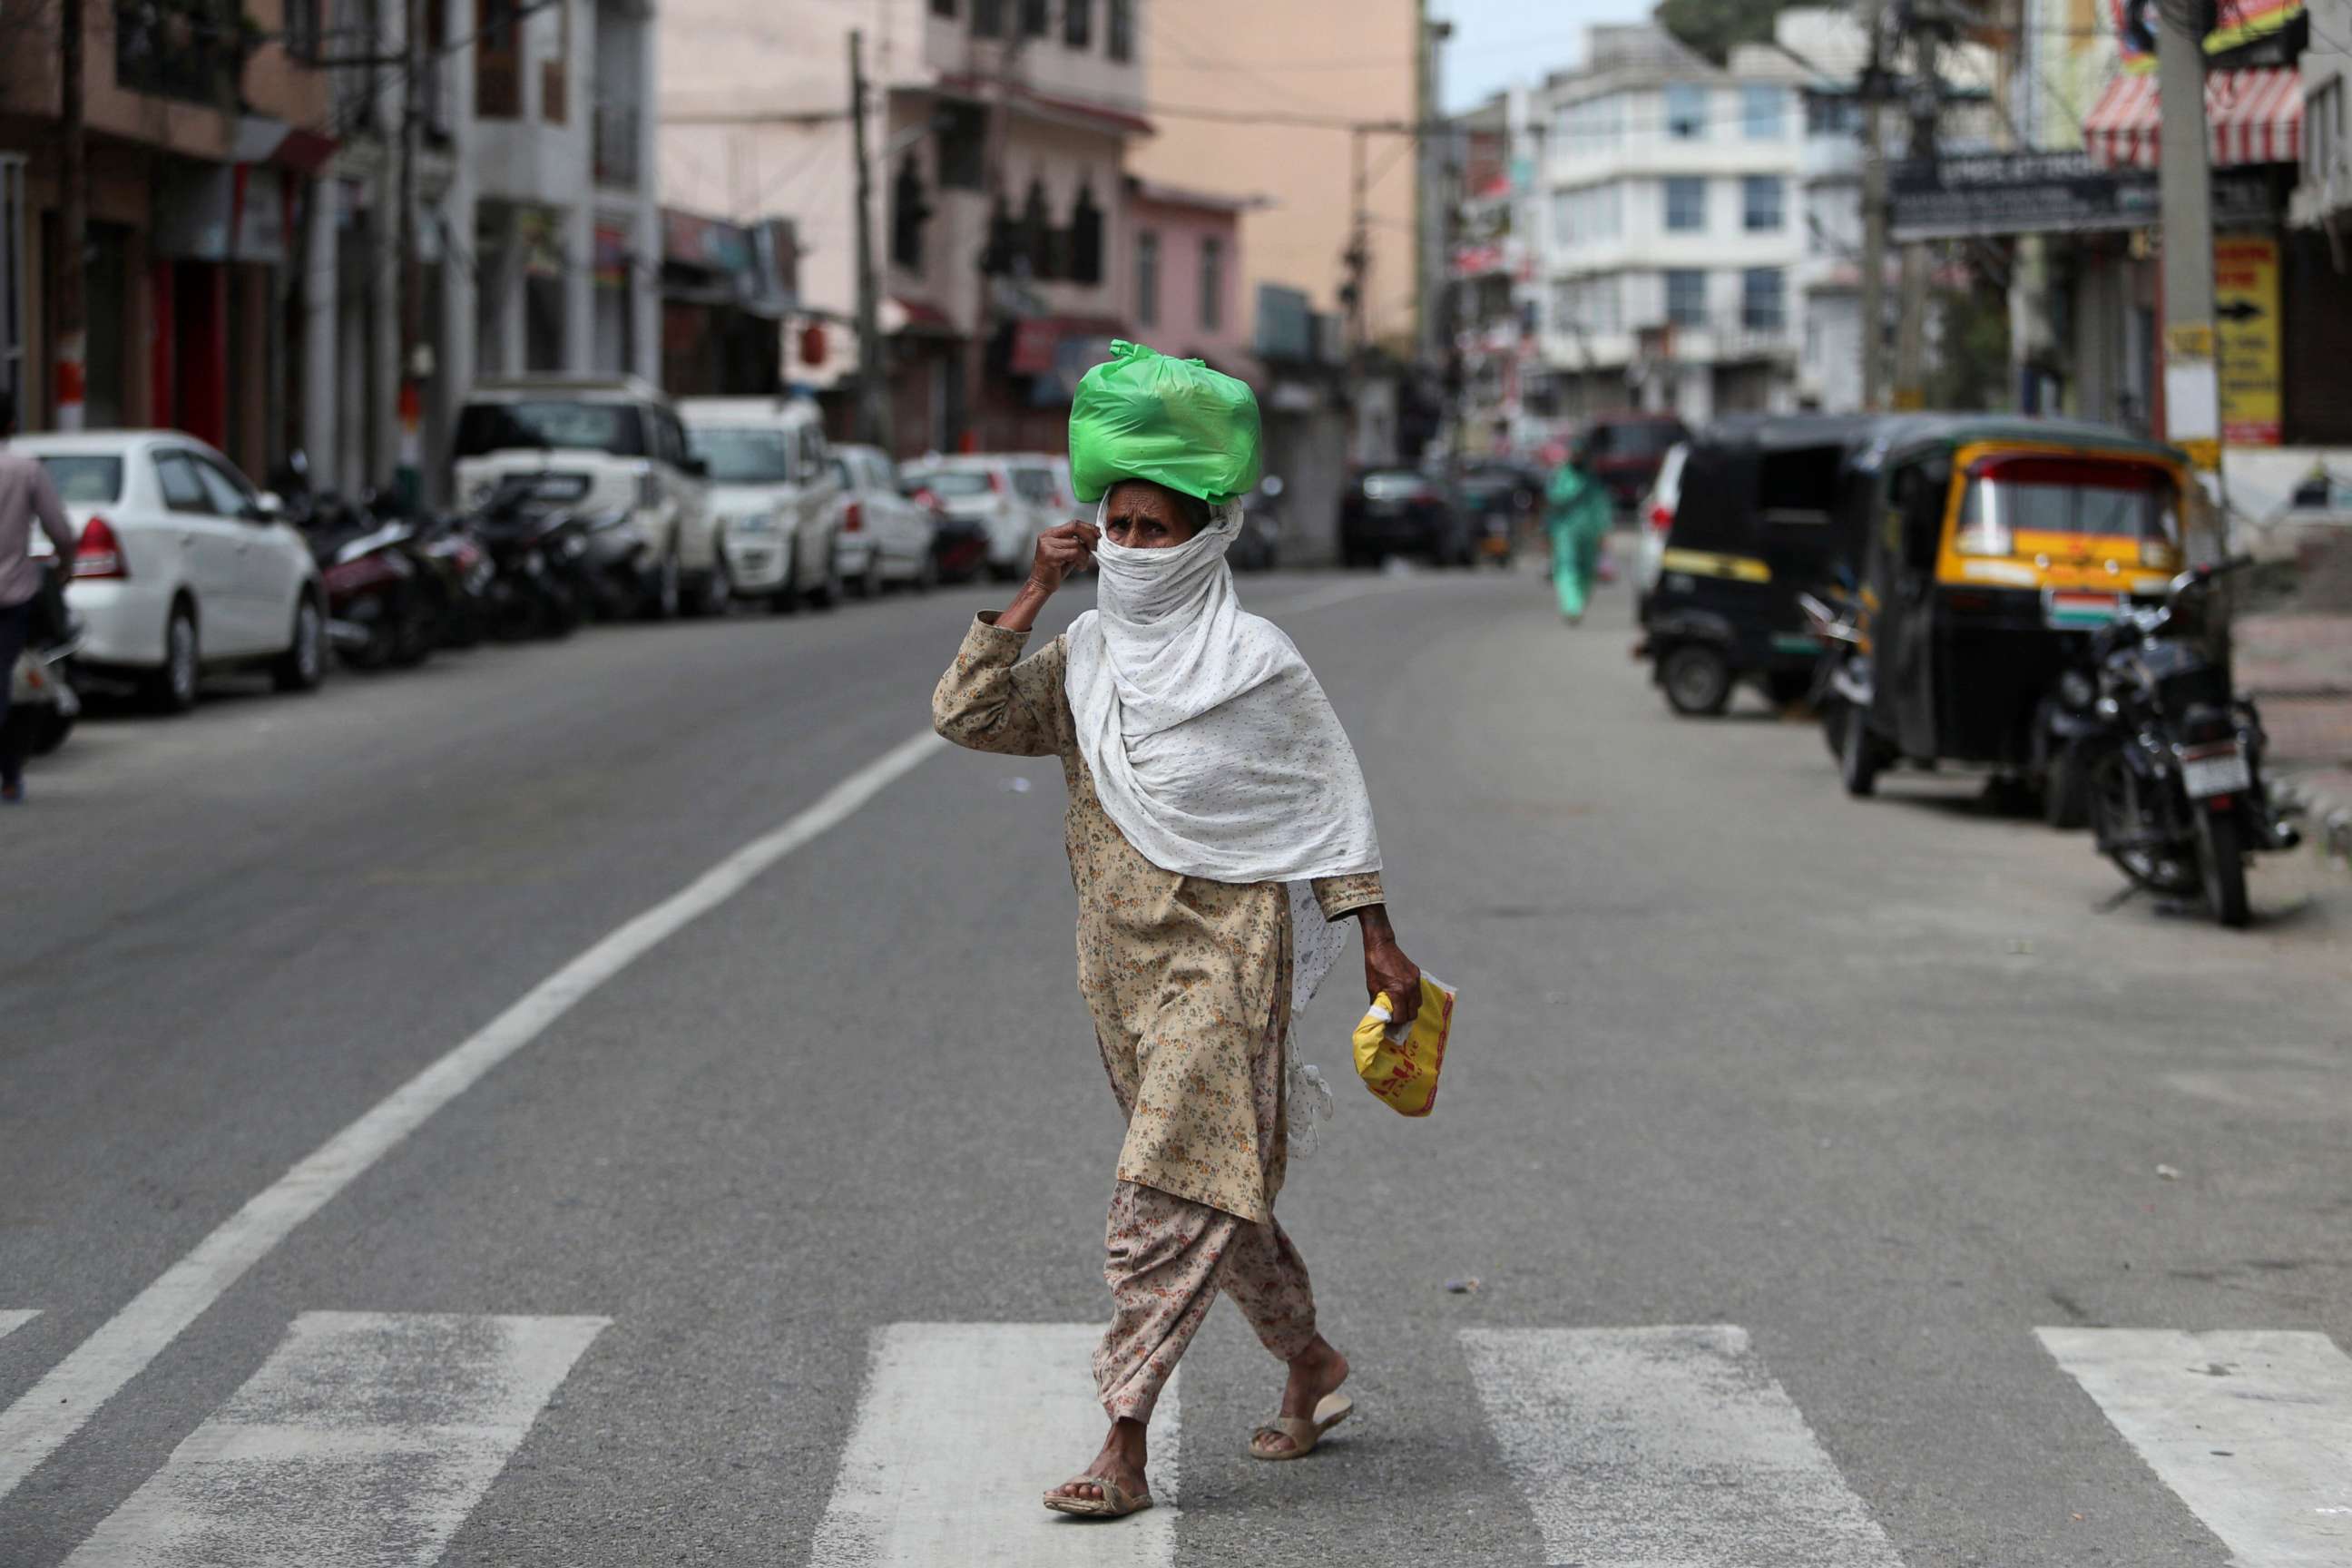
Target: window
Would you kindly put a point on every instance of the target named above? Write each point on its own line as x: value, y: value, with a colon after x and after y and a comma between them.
x: 85, y: 481
x: 1829, y: 116
x: 176, y: 474
x: 1146, y: 277
x: 962, y: 138
x: 554, y: 73
x: 1589, y: 307
x: 226, y: 494
x: 1686, y: 112
x: 1085, y: 238
x: 1685, y: 206
x: 498, y: 60
x: 744, y: 455
x: 1687, y: 298
x: 1764, y: 111
x: 615, y: 427
x: 909, y: 212
x: 988, y: 19
x: 1120, y: 42
x: 1036, y: 18
x: 1764, y: 299
x: 1037, y: 245
x: 1594, y: 126
x: 943, y: 8
x: 1078, y: 23
x: 2010, y: 496
x: 1212, y: 283
x: 1761, y: 201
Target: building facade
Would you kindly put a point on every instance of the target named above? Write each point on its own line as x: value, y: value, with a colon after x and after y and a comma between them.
x: 998, y: 134
x: 1673, y: 227
x: 536, y: 228
x: 205, y: 145
x: 1184, y: 259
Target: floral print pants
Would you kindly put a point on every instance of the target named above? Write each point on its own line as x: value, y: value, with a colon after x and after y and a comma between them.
x: 1166, y: 1259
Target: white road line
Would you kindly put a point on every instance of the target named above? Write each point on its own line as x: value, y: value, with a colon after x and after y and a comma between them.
x: 10, y: 1322
x: 963, y: 1428
x: 2253, y: 1430
x: 1665, y: 1446
x: 364, y: 1438
x: 55, y: 1408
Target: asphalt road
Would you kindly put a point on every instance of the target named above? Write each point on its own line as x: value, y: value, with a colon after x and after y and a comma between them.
x: 1879, y: 1088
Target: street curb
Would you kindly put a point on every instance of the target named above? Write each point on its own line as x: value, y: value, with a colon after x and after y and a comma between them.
x: 2327, y: 823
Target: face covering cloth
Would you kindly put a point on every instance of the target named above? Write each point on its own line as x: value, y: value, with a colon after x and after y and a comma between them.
x: 1214, y: 747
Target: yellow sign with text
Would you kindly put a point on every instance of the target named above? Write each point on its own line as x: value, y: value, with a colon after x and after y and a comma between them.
x: 2248, y: 339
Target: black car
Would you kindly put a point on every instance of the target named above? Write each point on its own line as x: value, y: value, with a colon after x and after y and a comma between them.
x: 1404, y: 511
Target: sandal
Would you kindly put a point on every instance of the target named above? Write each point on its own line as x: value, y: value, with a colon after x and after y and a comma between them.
x: 1115, y: 1503
x: 1303, y: 1433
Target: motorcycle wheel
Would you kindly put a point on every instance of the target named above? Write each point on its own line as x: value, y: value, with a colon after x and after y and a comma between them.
x: 414, y: 637
x: 2118, y: 814
x: 1857, y: 754
x: 1832, y: 712
x: 2222, y: 857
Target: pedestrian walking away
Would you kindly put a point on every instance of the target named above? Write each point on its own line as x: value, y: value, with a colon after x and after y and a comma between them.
x: 28, y: 499
x: 1219, y: 825
x: 1578, y: 513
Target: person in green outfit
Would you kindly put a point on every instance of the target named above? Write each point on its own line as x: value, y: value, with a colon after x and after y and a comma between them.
x: 1578, y: 513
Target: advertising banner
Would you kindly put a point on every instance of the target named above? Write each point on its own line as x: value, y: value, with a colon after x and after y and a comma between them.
x: 2248, y: 338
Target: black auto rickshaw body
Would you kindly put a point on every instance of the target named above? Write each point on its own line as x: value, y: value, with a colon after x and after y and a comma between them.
x: 1995, y: 545
x: 1765, y: 513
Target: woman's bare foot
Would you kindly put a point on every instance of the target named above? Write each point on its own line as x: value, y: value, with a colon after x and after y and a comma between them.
x: 1121, y: 1461
x: 1315, y: 1376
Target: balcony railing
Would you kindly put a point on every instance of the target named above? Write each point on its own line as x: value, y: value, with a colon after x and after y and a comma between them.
x: 615, y: 145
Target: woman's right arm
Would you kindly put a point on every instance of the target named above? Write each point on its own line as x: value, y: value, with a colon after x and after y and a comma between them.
x: 992, y: 699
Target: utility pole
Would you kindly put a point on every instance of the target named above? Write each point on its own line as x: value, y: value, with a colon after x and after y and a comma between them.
x: 873, y: 402
x: 73, y: 223
x: 1911, y: 330
x: 1874, y: 211
x: 2193, y: 383
x: 408, y: 480
x: 1359, y: 254
x: 1000, y: 112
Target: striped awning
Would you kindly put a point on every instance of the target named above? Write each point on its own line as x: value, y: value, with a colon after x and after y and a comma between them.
x: 2256, y: 117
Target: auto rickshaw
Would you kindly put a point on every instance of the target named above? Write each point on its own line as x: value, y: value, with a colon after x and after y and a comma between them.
x: 1995, y: 546
x: 1761, y: 516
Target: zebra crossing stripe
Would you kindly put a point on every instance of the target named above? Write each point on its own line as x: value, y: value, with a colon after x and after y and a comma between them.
x: 962, y: 1428
x: 10, y: 1322
x: 2251, y: 1429
x: 1667, y: 1446
x: 364, y: 1437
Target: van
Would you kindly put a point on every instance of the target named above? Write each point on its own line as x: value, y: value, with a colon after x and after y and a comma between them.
x: 773, y: 494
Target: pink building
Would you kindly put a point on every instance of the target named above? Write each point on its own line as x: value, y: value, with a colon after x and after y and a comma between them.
x: 1183, y: 284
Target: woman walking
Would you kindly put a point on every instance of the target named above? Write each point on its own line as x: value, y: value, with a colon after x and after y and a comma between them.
x: 1579, y: 512
x: 1218, y: 822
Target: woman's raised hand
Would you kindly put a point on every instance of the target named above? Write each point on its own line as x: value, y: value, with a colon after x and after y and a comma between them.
x: 1061, y: 551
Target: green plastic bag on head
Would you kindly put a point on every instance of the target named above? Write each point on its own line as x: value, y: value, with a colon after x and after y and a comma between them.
x: 1143, y: 415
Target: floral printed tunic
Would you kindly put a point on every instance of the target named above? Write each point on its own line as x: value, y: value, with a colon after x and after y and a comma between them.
x: 1188, y: 980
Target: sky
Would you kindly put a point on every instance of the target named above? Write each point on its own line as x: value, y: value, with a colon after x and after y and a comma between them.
x: 1497, y: 42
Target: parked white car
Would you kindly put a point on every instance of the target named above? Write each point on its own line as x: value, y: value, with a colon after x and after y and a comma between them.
x: 1013, y: 495
x: 885, y: 536
x: 623, y: 440
x: 775, y: 495
x: 182, y: 565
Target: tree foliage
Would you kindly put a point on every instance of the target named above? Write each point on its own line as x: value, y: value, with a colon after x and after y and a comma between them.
x: 1714, y: 26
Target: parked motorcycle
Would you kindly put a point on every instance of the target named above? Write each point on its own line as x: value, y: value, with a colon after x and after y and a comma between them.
x: 42, y: 702
x: 380, y: 608
x: 537, y: 549
x: 2151, y: 745
x: 1842, y: 683
x: 458, y: 568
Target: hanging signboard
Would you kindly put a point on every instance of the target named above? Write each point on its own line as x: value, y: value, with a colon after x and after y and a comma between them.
x: 2248, y: 339
x: 1993, y: 193
x: 2233, y: 24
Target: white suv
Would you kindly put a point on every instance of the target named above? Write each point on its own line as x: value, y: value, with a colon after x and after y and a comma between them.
x: 774, y: 492
x: 624, y: 440
x: 1014, y: 496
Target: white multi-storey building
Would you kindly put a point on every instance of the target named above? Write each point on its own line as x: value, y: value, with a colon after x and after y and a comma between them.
x: 996, y: 127
x: 1674, y: 227
x: 536, y: 220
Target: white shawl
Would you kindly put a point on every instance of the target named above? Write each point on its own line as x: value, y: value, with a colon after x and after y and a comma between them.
x: 1214, y: 747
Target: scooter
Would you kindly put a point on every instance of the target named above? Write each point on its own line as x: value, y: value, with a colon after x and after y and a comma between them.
x: 1842, y: 691
x: 42, y: 702
x: 379, y: 604
x: 2167, y: 761
x: 539, y: 551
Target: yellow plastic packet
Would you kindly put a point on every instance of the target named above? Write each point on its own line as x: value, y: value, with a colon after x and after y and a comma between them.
x: 1399, y: 1062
